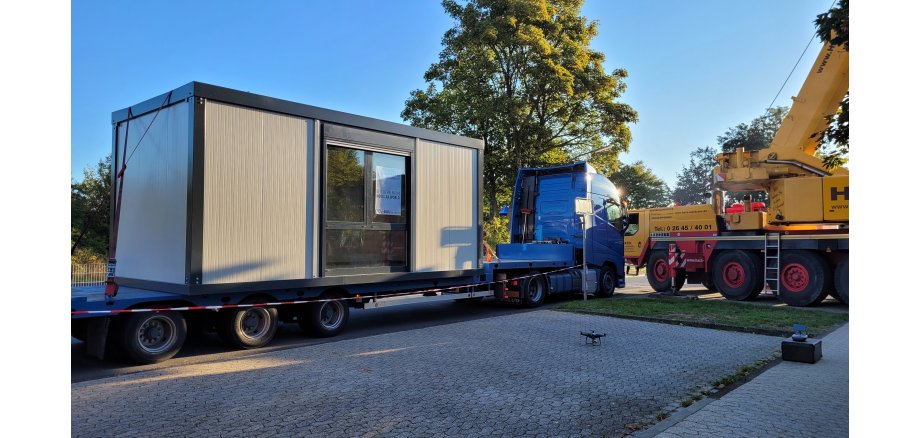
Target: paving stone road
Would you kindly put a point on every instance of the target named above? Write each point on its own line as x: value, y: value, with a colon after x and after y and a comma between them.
x: 527, y: 374
x: 789, y: 400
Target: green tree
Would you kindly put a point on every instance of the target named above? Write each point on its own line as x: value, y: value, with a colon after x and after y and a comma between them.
x: 89, y: 211
x: 520, y: 75
x: 641, y: 187
x: 834, y: 28
x: 694, y: 181
x: 756, y: 135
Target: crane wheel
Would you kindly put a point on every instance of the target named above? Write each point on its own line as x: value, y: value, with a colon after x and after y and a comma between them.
x: 656, y: 271
x: 804, y: 278
x: 842, y: 280
x: 738, y: 275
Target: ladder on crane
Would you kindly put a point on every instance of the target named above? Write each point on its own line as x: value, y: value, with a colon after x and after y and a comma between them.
x: 771, y: 263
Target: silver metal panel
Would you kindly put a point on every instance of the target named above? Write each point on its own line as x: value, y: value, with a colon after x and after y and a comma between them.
x: 255, y: 194
x: 445, y: 218
x: 152, y: 228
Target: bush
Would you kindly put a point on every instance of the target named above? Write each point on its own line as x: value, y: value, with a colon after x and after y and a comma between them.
x: 496, y: 231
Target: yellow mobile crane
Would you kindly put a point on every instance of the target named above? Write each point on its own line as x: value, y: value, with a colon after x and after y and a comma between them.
x: 798, y: 247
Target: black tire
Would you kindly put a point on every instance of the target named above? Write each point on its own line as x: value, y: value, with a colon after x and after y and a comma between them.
x: 534, y: 290
x: 709, y: 285
x: 804, y: 278
x: 842, y: 281
x: 324, y: 319
x: 606, y: 282
x: 151, y: 337
x: 656, y: 271
x: 738, y: 275
x: 247, y: 327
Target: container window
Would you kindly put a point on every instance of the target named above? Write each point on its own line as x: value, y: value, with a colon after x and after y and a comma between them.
x: 345, y: 179
x: 366, y: 212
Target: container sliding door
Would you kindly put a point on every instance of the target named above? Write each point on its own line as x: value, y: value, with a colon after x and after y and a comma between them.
x: 366, y: 194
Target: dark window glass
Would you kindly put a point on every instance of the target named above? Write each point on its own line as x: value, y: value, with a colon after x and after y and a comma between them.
x: 365, y: 248
x: 389, y: 188
x: 345, y: 185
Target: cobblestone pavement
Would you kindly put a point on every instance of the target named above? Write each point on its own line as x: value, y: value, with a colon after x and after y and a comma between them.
x: 527, y: 374
x: 789, y: 400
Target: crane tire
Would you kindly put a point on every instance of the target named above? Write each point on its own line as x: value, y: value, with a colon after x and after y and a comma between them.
x: 804, y: 278
x: 738, y: 275
x: 606, y: 282
x: 842, y: 281
x: 247, y: 327
x: 656, y: 271
x: 534, y: 289
x: 151, y: 337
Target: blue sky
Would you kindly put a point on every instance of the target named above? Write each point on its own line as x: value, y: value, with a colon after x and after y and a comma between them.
x: 696, y: 68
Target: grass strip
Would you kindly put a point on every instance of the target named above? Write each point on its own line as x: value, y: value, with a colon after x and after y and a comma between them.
x: 724, y: 315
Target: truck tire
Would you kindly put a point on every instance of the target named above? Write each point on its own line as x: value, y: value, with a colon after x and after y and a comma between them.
x: 804, y: 278
x: 656, y: 271
x: 324, y: 319
x: 533, y: 290
x: 247, y: 327
x: 842, y: 280
x: 606, y: 282
x: 151, y: 337
x: 738, y: 275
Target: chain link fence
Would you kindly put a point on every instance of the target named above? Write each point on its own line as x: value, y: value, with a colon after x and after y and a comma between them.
x: 92, y: 274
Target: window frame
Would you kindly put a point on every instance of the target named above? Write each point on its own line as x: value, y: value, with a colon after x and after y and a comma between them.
x: 369, y: 212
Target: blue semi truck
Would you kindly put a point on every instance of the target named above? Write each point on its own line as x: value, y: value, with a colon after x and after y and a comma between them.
x: 236, y: 212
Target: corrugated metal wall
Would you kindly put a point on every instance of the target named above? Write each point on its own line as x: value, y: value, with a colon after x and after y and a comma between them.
x: 255, y: 195
x: 152, y: 226
x: 445, y: 224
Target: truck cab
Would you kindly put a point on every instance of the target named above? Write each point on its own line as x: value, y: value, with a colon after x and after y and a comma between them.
x: 546, y: 232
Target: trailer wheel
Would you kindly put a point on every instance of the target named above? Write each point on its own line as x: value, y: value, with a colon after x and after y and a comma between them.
x: 151, y: 337
x: 656, y: 271
x: 804, y: 278
x: 738, y: 275
x: 842, y: 280
x: 324, y: 319
x: 533, y: 289
x: 248, y: 327
x: 607, y: 282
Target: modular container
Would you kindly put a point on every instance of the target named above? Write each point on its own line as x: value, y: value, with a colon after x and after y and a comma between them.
x: 229, y: 191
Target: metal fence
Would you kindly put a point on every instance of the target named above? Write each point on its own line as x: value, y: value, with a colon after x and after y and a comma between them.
x: 92, y: 274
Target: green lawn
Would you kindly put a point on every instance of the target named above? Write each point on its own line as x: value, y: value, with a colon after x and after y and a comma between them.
x: 718, y: 314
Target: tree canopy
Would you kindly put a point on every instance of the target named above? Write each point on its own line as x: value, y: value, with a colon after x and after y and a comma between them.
x: 833, y: 27
x: 694, y: 181
x: 520, y: 75
x: 641, y: 187
x: 89, y: 212
x: 756, y: 135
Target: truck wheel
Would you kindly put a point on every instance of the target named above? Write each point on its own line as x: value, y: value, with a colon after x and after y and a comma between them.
x: 533, y: 290
x: 248, y: 327
x: 709, y: 285
x: 606, y: 282
x: 803, y: 278
x: 656, y: 271
x: 738, y: 275
x: 842, y: 280
x: 151, y: 337
x: 324, y: 319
